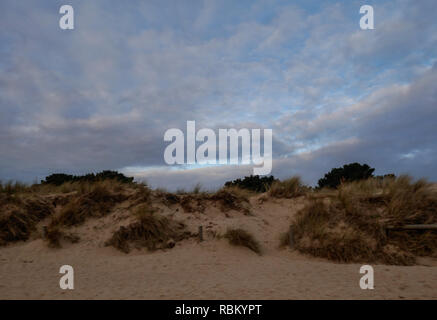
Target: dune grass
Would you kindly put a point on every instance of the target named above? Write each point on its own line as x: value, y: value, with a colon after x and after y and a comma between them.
x: 288, y: 188
x: 151, y: 231
x: 232, y: 198
x: 19, y: 217
x: 227, y: 198
x: 97, y: 201
x: 351, y: 226
x: 240, y: 237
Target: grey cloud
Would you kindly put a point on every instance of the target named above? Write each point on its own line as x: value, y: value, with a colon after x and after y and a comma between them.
x: 102, y: 96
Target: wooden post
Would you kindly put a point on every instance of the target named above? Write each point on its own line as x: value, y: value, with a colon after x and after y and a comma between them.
x: 200, y: 233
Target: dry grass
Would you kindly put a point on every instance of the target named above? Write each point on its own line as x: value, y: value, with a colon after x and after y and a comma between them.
x: 11, y: 188
x: 142, y: 195
x: 150, y: 230
x: 54, y: 236
x: 193, y: 202
x: 232, y: 198
x: 351, y: 226
x: 95, y: 202
x: 167, y: 198
x: 80, y: 187
x: 289, y: 188
x: 228, y: 198
x: 18, y: 218
x: 240, y: 237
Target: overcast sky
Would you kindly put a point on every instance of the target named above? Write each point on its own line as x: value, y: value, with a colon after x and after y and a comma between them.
x: 102, y: 95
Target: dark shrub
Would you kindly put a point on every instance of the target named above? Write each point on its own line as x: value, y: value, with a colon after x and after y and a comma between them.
x: 253, y: 183
x: 349, y: 172
x: 60, y: 178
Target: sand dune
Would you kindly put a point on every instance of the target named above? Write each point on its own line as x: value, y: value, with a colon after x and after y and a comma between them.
x: 211, y: 269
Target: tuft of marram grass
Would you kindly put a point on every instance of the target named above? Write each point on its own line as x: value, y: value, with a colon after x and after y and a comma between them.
x: 240, y: 237
x: 150, y: 230
x: 54, y: 236
x: 142, y: 195
x: 289, y: 188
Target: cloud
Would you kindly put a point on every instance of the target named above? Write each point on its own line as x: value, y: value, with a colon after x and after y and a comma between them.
x: 102, y: 96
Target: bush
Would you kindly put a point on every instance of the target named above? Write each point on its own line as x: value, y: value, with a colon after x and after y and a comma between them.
x: 59, y: 178
x: 240, y: 237
x: 252, y: 183
x: 349, y: 172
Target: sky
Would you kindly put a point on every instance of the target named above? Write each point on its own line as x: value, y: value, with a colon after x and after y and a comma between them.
x: 101, y: 96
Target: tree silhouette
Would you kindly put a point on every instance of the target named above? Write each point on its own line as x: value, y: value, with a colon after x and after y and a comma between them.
x: 349, y: 172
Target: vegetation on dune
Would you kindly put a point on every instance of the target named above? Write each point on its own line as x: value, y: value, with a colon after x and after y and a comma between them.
x: 240, y: 237
x: 143, y: 194
x: 347, y: 173
x: 252, y: 183
x: 232, y: 198
x: 18, y: 218
x: 288, y: 188
x: 192, y: 202
x: 54, y: 235
x: 352, y: 226
x: 97, y: 202
x: 228, y: 198
x: 167, y: 198
x: 10, y: 188
x: 344, y: 221
x: 61, y: 178
x: 151, y: 231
